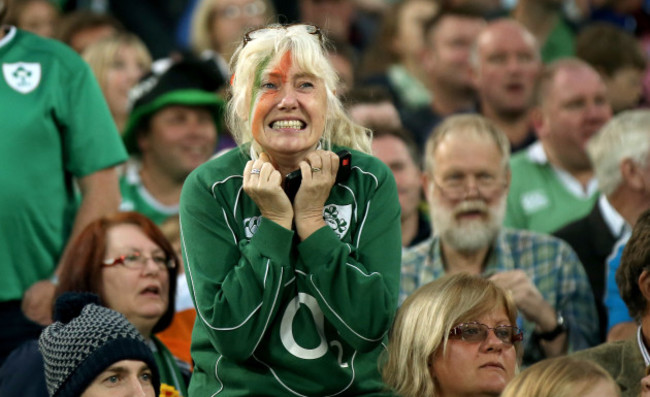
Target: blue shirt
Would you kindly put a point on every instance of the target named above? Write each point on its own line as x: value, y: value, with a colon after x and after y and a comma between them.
x: 616, y: 308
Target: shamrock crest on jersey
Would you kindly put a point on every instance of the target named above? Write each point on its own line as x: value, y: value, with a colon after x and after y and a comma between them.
x: 23, y: 77
x: 338, y: 218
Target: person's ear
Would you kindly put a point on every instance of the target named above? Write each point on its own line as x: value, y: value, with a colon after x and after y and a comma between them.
x: 537, y: 120
x: 143, y: 139
x: 644, y: 285
x: 631, y: 175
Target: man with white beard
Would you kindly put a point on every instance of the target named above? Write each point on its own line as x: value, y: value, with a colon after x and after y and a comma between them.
x: 467, y: 181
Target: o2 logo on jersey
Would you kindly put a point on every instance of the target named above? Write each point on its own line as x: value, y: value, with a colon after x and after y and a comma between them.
x: 289, y: 341
x: 23, y: 77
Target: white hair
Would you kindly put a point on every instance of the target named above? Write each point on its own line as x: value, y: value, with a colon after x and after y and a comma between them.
x: 257, y: 56
x: 626, y: 136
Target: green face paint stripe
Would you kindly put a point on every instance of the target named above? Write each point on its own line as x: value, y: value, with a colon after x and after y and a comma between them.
x: 256, y: 84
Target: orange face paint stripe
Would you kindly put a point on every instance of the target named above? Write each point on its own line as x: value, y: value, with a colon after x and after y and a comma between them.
x: 281, y: 70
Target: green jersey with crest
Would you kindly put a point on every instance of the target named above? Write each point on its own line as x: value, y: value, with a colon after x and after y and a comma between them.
x: 54, y: 126
x: 277, y: 316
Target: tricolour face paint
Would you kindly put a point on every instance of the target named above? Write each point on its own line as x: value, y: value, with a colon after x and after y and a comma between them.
x: 262, y: 102
x: 288, y: 113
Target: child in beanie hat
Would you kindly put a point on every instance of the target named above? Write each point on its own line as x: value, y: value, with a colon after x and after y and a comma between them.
x: 85, y: 340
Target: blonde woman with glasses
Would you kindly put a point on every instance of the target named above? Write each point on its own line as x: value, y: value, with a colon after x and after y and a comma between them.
x: 456, y: 336
x: 292, y: 240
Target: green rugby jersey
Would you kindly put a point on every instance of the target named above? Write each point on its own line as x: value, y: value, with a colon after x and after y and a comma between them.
x: 276, y: 316
x: 55, y: 125
x: 136, y: 197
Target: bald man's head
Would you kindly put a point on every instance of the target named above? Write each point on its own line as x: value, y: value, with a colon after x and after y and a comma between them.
x: 506, y: 61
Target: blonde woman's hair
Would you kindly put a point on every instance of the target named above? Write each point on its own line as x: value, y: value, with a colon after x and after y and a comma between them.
x: 475, y: 125
x: 422, y: 325
x: 101, y: 54
x: 202, y: 19
x: 256, y: 58
x: 558, y: 377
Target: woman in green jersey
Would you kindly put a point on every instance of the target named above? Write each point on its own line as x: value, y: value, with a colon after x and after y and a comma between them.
x: 294, y: 295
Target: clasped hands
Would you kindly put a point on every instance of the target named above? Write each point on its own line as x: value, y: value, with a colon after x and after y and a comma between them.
x: 263, y: 184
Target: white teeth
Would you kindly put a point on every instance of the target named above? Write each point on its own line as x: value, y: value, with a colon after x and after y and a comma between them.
x: 281, y: 124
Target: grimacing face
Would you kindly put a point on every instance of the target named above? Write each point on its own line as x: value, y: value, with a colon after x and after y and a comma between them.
x: 288, y: 117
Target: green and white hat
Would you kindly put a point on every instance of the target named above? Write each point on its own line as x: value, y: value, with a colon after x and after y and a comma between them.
x: 186, y: 82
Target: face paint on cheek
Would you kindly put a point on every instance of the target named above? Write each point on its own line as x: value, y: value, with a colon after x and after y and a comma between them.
x: 264, y: 103
x: 255, y: 90
x: 261, y: 103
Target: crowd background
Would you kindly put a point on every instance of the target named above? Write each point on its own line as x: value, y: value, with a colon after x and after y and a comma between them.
x: 565, y: 81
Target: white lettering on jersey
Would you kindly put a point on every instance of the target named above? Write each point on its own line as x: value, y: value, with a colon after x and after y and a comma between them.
x: 23, y: 77
x: 534, y: 201
x: 286, y: 327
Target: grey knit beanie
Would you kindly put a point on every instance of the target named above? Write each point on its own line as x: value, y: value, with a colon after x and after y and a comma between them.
x: 84, y: 341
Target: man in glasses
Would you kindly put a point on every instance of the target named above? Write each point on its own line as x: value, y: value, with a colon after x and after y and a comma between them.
x: 467, y: 181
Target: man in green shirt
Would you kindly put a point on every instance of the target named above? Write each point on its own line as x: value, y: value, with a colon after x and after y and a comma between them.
x: 553, y: 181
x: 171, y: 131
x: 56, y: 131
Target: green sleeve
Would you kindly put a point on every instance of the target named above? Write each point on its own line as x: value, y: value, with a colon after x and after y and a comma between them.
x: 357, y: 285
x: 236, y: 286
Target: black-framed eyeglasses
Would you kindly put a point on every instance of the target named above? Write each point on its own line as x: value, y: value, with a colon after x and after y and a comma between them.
x: 137, y: 260
x: 477, y: 332
x: 311, y: 29
x: 458, y: 188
